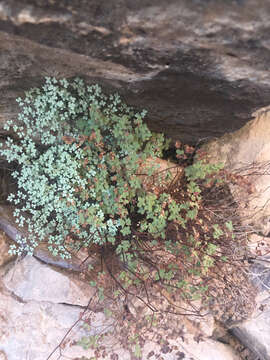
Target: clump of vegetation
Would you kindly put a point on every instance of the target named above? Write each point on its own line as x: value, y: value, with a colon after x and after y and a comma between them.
x: 79, y: 155
x: 87, y: 177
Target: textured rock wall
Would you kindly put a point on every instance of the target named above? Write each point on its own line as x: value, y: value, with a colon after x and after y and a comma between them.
x: 247, y: 151
x: 199, y: 67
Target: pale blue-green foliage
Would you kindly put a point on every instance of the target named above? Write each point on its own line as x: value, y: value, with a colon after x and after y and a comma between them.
x: 50, y: 168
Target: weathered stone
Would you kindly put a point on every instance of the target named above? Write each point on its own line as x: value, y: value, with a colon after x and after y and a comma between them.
x: 32, y: 330
x: 260, y: 276
x: 33, y: 325
x: 255, y: 332
x: 200, y: 68
x: 31, y: 280
x: 29, y: 63
x: 247, y: 151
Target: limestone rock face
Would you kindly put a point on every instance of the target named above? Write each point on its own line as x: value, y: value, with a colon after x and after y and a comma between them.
x: 255, y: 332
x: 247, y: 151
x: 31, y: 280
x: 34, y: 322
x: 199, y: 67
x: 31, y: 330
x: 41, y: 307
x: 38, y: 305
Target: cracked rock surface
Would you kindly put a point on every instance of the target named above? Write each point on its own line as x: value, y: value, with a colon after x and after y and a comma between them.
x: 39, y: 304
x: 30, y: 280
